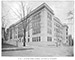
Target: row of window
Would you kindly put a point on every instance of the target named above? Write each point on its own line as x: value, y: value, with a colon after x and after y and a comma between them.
x: 36, y: 16
x: 36, y: 31
x: 36, y: 39
x: 36, y: 27
x: 16, y: 30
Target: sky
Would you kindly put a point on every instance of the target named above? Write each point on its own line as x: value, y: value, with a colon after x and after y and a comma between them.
x: 60, y: 8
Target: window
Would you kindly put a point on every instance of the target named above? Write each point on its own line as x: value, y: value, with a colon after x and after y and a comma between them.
x: 49, y: 16
x: 36, y: 39
x: 49, y: 20
x: 49, y: 38
x: 36, y: 16
x: 15, y: 32
x: 28, y: 34
x: 66, y: 37
x: 28, y: 29
x: 10, y: 33
x: 66, y: 29
x: 39, y: 39
x: 66, y: 33
x: 28, y: 39
x: 20, y: 30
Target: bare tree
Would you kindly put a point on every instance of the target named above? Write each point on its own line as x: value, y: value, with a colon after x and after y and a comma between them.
x: 4, y: 16
x: 21, y: 15
x: 4, y: 19
x: 26, y: 22
x: 70, y: 17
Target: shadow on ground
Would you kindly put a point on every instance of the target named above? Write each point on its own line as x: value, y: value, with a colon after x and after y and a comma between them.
x: 5, y: 45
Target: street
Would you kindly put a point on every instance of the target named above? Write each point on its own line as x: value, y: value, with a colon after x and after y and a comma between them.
x: 41, y: 52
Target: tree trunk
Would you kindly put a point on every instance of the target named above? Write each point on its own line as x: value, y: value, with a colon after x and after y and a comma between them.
x: 24, y: 42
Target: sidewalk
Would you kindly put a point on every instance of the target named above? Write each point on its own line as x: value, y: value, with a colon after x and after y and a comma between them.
x: 17, y: 48
x: 8, y: 47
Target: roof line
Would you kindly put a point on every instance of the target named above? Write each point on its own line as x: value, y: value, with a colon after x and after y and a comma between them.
x: 34, y: 11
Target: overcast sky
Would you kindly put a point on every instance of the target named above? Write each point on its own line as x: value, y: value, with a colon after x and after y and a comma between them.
x: 60, y: 8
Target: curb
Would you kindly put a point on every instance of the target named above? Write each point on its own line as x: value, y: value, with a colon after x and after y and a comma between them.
x: 16, y: 49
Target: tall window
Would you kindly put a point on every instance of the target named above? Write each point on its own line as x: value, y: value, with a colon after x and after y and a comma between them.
x: 36, y: 27
x: 10, y: 33
x: 49, y: 38
x: 28, y: 30
x: 66, y: 29
x: 66, y: 33
x: 66, y: 37
x: 49, y: 23
x: 28, y: 39
x: 20, y: 30
x: 49, y: 20
x: 49, y: 16
x: 15, y: 32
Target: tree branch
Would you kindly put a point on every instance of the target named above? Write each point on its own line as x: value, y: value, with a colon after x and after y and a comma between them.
x: 15, y: 13
x: 23, y: 9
